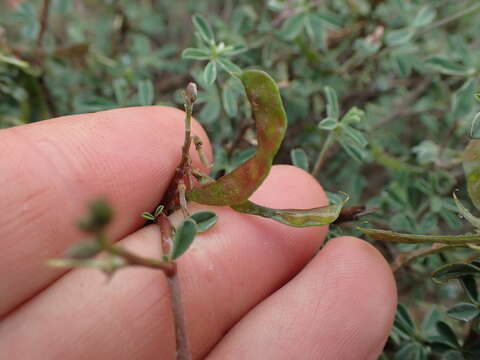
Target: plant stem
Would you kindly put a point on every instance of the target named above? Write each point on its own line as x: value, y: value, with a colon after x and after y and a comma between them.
x: 181, y: 337
x: 43, y: 22
x: 405, y: 259
x: 449, y: 19
x: 171, y: 199
x: 322, y: 156
x: 134, y: 259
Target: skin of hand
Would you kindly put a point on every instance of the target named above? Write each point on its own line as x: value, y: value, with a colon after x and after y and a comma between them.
x: 252, y: 288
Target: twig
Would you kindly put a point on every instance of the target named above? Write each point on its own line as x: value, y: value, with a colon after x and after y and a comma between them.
x: 175, y: 195
x: 183, y: 201
x: 199, y: 147
x: 170, y: 199
x: 449, y: 19
x: 406, y: 258
x: 49, y: 101
x: 43, y: 22
x: 322, y: 156
x: 400, y: 108
x: 202, y: 176
x: 181, y: 337
x: 183, y: 344
x: 134, y: 259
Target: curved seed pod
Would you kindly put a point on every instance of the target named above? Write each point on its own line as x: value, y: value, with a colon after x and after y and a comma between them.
x: 471, y: 166
x: 384, y: 235
x: 295, y: 217
x: 271, y: 123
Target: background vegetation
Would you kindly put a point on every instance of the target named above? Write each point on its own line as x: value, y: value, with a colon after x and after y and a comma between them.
x: 379, y: 96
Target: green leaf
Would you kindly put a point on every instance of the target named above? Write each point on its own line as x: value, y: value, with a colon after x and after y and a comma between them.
x: 469, y: 284
x: 299, y: 218
x: 100, y: 214
x: 148, y: 216
x: 292, y: 27
x: 158, y: 211
x: 449, y: 67
x: 333, y: 110
x: 463, y: 311
x: 328, y: 124
x: 271, y: 122
x: 447, y: 334
x: 229, y: 66
x: 84, y: 250
x: 391, y: 162
x: 14, y: 61
x: 120, y: 91
x: 353, y: 149
x: 475, y: 221
x: 333, y: 22
x: 411, y: 351
x: 463, y: 99
x: 145, y: 92
x: 403, y: 321
x: 475, y: 128
x: 203, y: 29
x: 399, y: 36
x: 196, y: 54
x: 403, y: 64
x: 233, y: 50
x: 299, y: 158
x: 355, y: 135
x: 354, y: 115
x: 454, y: 271
x: 316, y: 30
x: 424, y: 16
x: 204, y: 220
x: 471, y: 166
x: 453, y: 355
x: 210, y: 72
x: 229, y: 100
x: 429, y: 321
x: 184, y: 238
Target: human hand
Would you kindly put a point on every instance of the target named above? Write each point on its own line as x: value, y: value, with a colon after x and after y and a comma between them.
x: 252, y: 288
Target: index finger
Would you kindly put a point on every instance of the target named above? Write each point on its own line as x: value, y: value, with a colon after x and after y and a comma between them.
x: 50, y: 170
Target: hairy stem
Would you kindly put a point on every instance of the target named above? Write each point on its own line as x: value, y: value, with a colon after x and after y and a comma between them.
x: 182, y: 343
x: 322, y: 156
x: 134, y: 259
x: 181, y: 337
x: 171, y: 196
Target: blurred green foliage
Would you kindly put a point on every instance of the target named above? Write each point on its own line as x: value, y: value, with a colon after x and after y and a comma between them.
x: 382, y: 91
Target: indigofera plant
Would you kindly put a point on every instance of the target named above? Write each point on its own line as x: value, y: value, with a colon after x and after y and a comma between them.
x: 232, y: 189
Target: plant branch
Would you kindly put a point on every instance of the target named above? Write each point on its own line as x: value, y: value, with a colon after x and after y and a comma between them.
x: 322, y: 156
x: 182, y: 342
x: 134, y: 259
x: 43, y: 22
x: 449, y: 19
x: 400, y: 107
x: 170, y: 199
x: 406, y: 258
x: 181, y: 336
